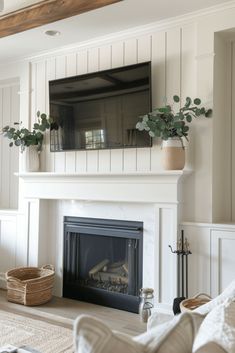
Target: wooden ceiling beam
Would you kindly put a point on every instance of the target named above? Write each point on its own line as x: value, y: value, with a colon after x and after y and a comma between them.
x: 45, y: 12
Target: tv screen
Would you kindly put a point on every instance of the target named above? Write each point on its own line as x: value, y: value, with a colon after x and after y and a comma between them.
x: 100, y: 110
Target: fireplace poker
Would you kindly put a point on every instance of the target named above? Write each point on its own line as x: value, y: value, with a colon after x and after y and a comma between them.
x: 182, y: 253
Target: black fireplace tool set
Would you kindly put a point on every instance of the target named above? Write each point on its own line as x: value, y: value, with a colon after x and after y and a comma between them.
x: 182, y: 252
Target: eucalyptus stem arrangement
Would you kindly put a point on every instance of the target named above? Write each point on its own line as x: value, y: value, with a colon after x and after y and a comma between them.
x: 23, y: 137
x: 165, y: 123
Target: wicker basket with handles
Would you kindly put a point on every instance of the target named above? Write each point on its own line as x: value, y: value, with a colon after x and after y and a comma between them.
x: 195, y: 302
x: 30, y: 285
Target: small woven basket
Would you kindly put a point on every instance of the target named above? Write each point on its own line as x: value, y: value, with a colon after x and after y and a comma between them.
x: 195, y: 302
x: 30, y: 285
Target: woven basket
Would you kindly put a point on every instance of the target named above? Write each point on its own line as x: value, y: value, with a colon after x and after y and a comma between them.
x: 30, y: 285
x: 195, y: 302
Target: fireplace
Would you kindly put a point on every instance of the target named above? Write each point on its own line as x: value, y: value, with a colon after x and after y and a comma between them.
x: 103, y: 261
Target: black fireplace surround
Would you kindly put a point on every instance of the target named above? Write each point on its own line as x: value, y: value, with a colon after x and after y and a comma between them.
x: 103, y: 261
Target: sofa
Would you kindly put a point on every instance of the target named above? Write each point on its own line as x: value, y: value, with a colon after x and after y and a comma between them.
x: 208, y: 329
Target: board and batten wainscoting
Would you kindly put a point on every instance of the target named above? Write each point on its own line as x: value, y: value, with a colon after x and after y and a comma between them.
x: 13, y: 242
x: 212, y: 263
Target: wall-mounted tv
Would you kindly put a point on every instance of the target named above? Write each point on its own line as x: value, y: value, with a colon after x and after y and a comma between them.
x: 100, y: 110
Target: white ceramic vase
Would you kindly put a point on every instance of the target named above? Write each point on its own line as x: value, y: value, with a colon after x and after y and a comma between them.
x: 173, y: 154
x: 31, y: 161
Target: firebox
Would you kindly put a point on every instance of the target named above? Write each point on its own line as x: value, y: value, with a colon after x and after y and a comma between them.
x: 103, y: 261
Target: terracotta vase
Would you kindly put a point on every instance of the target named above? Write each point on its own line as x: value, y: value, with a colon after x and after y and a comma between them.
x: 31, y: 162
x: 173, y: 153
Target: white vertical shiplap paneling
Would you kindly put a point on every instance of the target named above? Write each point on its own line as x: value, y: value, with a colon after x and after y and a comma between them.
x: 40, y: 89
x: 81, y: 162
x: 129, y: 160
x: 159, y: 68
x: 71, y: 64
x: 60, y: 66
x: 173, y: 63
x: 188, y: 88
x: 9, y: 157
x: 143, y: 159
x: 188, y: 80
x: 117, y: 55
x: 40, y: 97
x: 158, y: 88
x: 93, y: 60
x: 60, y: 157
x: 14, y: 151
x: 70, y: 162
x: 163, y: 49
x: 104, y: 164
x: 117, y: 160
x: 92, y: 161
x: 130, y: 51
x: 82, y: 62
x: 188, y: 62
x: 33, y: 101
x: 105, y: 57
x: 6, y: 153
x: 144, y: 48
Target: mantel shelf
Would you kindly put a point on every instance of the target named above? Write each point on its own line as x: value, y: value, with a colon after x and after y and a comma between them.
x: 142, y: 187
x: 166, y: 173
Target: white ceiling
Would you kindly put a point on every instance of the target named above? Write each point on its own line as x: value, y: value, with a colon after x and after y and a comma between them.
x: 113, y: 18
x: 13, y: 5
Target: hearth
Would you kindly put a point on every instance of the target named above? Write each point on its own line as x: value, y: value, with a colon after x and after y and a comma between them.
x: 103, y: 261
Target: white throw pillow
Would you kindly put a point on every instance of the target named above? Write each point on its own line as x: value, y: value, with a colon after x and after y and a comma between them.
x: 92, y: 336
x: 228, y: 293
x: 219, y: 328
x: 176, y: 336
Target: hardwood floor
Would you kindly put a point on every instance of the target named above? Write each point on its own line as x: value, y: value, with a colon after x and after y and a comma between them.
x: 69, y: 309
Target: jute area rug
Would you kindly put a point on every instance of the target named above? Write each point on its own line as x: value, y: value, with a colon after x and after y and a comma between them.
x: 44, y: 335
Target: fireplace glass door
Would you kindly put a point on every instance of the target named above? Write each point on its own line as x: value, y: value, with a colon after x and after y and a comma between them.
x: 103, y: 261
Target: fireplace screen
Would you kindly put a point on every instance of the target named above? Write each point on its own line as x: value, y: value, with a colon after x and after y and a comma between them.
x: 103, y: 261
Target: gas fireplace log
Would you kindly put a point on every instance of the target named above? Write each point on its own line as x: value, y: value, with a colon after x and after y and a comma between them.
x: 125, y: 268
x: 98, y: 267
x: 116, y: 265
x: 120, y: 268
x: 110, y: 277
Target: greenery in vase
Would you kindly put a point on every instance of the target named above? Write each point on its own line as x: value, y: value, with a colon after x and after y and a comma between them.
x: 165, y: 123
x: 23, y: 137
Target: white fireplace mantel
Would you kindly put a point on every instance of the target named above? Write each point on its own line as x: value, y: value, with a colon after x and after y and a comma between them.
x: 150, y: 197
x: 161, y: 187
